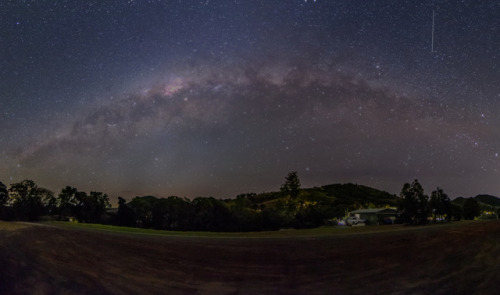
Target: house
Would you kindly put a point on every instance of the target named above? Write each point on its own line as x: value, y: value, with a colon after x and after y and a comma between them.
x: 376, y: 216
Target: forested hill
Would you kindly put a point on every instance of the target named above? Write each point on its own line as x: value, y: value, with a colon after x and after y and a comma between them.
x: 488, y: 200
x: 360, y: 194
x: 485, y: 201
x: 349, y: 195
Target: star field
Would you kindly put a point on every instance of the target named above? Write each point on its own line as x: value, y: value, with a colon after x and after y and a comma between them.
x: 218, y: 98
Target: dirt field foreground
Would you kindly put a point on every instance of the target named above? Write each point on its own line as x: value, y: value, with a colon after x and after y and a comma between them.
x: 458, y: 258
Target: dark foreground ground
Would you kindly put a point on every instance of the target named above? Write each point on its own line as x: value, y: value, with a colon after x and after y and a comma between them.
x: 460, y: 258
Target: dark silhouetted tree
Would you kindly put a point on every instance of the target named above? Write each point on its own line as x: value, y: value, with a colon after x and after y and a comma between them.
x: 161, y: 214
x: 271, y: 219
x: 244, y: 213
x: 25, y: 200
x: 4, y: 194
x: 177, y: 213
x: 413, y: 204
x: 4, y: 197
x: 440, y: 205
x: 48, y: 200
x: 291, y: 187
x: 456, y: 212
x: 309, y: 217
x: 210, y: 214
x: 66, y: 202
x: 126, y: 215
x: 471, y: 209
x: 143, y: 208
x: 290, y: 206
x: 92, y: 207
x: 82, y: 209
x: 100, y: 203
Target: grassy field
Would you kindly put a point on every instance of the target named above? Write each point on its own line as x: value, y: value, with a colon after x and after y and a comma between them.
x: 67, y: 258
x: 286, y: 233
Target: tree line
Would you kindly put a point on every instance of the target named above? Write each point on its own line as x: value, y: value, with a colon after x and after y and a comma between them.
x: 418, y: 208
x: 244, y: 213
x: 26, y: 201
x: 291, y: 207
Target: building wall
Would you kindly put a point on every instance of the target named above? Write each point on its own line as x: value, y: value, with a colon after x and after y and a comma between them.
x: 370, y: 217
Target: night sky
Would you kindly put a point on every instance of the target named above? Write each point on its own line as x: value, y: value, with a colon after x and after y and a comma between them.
x: 218, y: 98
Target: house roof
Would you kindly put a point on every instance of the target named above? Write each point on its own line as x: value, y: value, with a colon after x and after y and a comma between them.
x: 375, y: 211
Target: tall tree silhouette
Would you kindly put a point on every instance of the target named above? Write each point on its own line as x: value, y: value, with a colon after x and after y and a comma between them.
x: 67, y: 202
x: 440, y: 205
x: 25, y: 200
x: 414, y: 203
x: 291, y: 186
